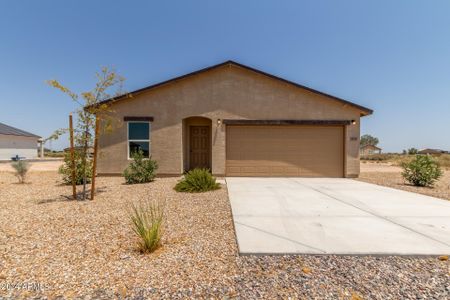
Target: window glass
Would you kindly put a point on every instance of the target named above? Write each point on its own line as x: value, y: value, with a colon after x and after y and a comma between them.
x: 138, y: 138
x: 138, y: 131
x: 136, y: 146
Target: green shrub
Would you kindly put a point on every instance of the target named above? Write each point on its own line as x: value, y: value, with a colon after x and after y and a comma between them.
x: 66, y: 169
x: 21, y: 168
x: 377, y: 157
x: 412, y: 151
x: 141, y: 170
x: 197, y: 181
x: 423, y: 170
x: 147, y: 220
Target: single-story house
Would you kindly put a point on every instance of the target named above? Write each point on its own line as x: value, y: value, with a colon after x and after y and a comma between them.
x: 236, y: 121
x: 369, y: 150
x: 16, y: 142
x: 432, y: 151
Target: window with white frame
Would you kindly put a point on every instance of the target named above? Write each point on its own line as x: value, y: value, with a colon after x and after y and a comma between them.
x: 138, y: 138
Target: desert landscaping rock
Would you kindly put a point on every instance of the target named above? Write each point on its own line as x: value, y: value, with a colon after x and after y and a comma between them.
x: 87, y: 250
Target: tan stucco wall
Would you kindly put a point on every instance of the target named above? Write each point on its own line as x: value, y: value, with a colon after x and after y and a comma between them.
x: 228, y: 92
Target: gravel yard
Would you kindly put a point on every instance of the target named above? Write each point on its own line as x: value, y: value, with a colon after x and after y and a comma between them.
x: 87, y: 250
x: 388, y: 175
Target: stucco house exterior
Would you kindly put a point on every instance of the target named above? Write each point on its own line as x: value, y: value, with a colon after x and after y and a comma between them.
x: 369, y: 150
x: 16, y: 142
x: 235, y: 121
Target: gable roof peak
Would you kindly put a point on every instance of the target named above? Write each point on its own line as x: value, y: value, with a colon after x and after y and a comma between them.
x: 364, y: 110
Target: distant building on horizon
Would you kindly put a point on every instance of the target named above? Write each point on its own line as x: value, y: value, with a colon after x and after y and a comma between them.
x: 369, y: 150
x: 16, y: 142
x: 433, y: 151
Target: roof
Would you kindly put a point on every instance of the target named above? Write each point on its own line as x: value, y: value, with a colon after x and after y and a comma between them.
x: 9, y: 130
x: 372, y: 146
x: 364, y: 110
x: 431, y: 151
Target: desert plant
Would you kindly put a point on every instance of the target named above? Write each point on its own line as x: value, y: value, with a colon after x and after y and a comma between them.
x: 140, y: 170
x: 147, y: 220
x: 197, y: 181
x: 412, y: 151
x: 21, y: 168
x: 423, y: 170
x: 66, y: 169
x: 377, y: 157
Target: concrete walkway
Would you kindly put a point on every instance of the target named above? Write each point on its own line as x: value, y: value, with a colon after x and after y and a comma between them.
x: 335, y: 216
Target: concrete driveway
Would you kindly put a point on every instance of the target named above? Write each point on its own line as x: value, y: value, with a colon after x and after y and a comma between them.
x: 335, y: 216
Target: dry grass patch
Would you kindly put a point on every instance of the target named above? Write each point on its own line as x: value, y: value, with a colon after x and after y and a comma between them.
x: 399, y: 159
x: 390, y: 176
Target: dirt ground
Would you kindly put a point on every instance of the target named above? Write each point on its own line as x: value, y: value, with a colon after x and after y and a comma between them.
x: 53, y: 247
x: 47, y: 165
x: 390, y: 175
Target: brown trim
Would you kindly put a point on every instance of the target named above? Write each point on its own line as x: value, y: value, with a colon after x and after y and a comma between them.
x: 285, y: 122
x: 364, y: 110
x: 148, y: 119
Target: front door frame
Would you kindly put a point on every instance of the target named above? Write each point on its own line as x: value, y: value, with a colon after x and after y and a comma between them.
x: 189, y: 144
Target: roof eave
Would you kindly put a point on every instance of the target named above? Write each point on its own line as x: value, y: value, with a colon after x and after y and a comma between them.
x: 31, y: 135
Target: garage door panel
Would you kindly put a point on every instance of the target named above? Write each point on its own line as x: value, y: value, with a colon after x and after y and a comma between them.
x: 311, y: 151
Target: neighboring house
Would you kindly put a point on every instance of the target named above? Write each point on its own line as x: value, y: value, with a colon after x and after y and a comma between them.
x: 17, y: 142
x: 369, y: 150
x: 432, y: 151
x: 236, y: 121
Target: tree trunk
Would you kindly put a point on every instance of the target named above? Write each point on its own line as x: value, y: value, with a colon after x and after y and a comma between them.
x: 94, y: 165
x: 72, y: 160
x: 85, y: 148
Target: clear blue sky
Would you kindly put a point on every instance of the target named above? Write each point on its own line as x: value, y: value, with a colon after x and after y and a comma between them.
x: 391, y: 56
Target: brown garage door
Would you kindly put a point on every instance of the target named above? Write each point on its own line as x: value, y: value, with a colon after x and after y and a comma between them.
x: 310, y: 151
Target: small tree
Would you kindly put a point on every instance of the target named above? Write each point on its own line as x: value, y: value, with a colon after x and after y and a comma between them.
x: 66, y: 169
x: 423, y: 170
x: 368, y: 140
x: 412, y: 151
x: 21, y: 168
x: 90, y: 108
